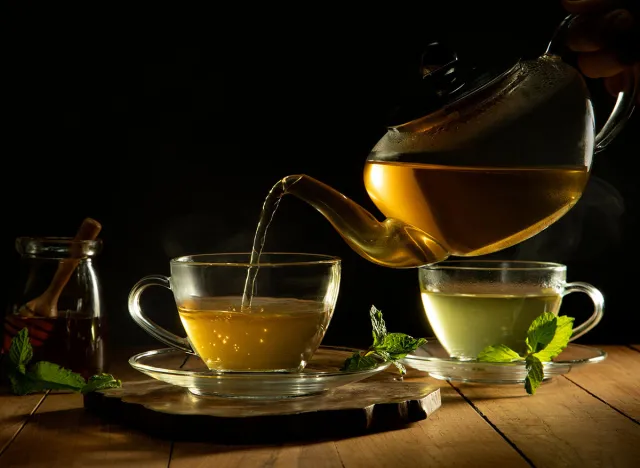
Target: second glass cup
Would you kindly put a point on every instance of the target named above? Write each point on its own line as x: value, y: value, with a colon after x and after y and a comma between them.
x: 293, y: 302
x: 472, y: 304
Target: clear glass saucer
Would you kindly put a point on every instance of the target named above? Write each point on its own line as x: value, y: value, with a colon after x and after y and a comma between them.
x: 322, y: 373
x: 434, y: 359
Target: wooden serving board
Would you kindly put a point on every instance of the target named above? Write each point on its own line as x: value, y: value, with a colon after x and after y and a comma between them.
x: 380, y: 403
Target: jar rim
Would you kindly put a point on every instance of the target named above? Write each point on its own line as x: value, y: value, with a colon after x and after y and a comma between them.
x: 57, y: 247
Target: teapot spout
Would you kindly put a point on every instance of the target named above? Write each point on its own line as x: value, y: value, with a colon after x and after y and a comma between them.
x: 390, y: 243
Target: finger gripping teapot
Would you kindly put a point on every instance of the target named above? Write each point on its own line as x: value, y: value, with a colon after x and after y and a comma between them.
x: 482, y: 160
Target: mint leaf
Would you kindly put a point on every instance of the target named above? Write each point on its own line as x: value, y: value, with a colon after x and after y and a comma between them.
x: 541, y: 332
x: 498, y: 353
x: 548, y: 335
x: 23, y: 385
x: 55, y: 377
x: 44, y: 375
x: 20, y: 351
x: 379, y: 328
x: 535, y: 374
x: 101, y: 382
x: 398, y: 345
x: 389, y: 347
x: 359, y: 362
x: 559, y: 341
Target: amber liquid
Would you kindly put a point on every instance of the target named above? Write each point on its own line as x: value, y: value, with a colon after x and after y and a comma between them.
x: 76, y: 343
x: 272, y: 335
x: 269, y: 208
x: 474, y: 210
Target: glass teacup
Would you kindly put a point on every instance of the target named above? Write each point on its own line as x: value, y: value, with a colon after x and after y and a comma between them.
x: 282, y: 326
x: 472, y: 304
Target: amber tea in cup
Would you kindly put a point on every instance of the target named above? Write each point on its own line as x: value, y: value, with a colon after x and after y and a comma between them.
x: 473, y: 304
x: 277, y: 329
x: 271, y: 334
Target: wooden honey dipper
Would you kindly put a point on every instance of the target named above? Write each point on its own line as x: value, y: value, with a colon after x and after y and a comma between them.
x: 46, y: 305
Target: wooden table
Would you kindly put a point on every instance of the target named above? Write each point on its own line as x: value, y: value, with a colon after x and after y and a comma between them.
x: 591, y: 417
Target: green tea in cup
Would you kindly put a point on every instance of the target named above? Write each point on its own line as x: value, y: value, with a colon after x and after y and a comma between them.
x: 474, y: 304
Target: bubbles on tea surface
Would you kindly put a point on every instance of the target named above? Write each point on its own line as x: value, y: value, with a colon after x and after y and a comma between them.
x: 491, y: 289
x: 252, y: 309
x: 243, y: 341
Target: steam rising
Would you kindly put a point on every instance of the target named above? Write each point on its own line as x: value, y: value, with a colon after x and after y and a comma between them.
x: 589, y: 230
x: 204, y: 233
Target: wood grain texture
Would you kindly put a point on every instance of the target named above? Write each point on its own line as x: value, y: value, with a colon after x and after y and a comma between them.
x: 14, y: 412
x: 561, y: 425
x: 616, y: 380
x: 201, y: 455
x: 378, y: 403
x: 454, y: 436
x: 62, y: 434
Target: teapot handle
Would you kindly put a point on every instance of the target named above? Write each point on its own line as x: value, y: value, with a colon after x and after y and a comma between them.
x: 624, y: 105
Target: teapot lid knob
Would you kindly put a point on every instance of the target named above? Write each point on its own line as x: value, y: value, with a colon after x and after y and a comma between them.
x: 443, y: 78
x: 436, y: 56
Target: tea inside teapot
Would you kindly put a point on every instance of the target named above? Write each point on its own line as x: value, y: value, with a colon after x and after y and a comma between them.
x: 493, y: 169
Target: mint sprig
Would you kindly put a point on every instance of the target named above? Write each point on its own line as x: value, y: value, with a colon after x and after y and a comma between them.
x: 547, y: 337
x: 388, y: 347
x: 44, y: 375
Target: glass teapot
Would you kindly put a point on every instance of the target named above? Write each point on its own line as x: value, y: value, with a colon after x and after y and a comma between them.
x: 482, y: 160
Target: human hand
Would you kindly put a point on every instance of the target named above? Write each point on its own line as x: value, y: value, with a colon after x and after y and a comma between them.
x: 606, y: 36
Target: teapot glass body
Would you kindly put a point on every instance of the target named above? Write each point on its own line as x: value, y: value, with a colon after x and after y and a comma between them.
x: 488, y: 169
x: 494, y: 168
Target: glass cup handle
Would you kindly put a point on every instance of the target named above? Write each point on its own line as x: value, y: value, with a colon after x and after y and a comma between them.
x: 145, y: 322
x: 625, y: 102
x: 598, y: 306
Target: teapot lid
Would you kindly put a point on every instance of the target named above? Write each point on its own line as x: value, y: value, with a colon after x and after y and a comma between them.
x: 446, y: 79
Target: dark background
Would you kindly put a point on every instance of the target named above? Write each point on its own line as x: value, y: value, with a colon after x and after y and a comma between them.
x: 169, y: 127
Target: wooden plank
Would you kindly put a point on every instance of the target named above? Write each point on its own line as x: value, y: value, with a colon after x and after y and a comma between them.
x: 562, y: 425
x: 199, y: 455
x: 616, y: 380
x: 636, y: 347
x: 16, y: 410
x: 62, y: 433
x: 14, y: 413
x: 120, y: 367
x: 454, y: 436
